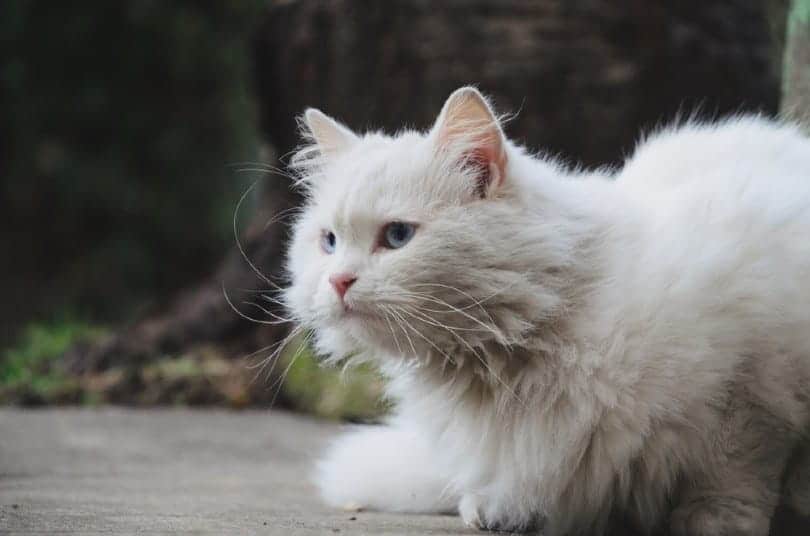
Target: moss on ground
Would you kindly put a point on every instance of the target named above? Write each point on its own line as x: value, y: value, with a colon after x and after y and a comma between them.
x: 353, y: 393
x: 32, y: 373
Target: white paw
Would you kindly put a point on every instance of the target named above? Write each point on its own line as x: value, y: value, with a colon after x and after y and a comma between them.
x: 382, y: 468
x: 481, y: 513
x: 352, y: 506
x: 468, y: 510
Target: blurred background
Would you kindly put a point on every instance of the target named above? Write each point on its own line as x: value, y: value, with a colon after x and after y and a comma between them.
x: 129, y: 131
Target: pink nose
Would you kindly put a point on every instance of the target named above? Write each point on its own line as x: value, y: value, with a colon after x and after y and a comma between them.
x: 342, y: 282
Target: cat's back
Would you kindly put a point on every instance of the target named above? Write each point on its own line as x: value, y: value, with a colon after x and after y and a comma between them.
x: 742, y: 178
x: 725, y: 157
x: 726, y: 212
x: 725, y: 190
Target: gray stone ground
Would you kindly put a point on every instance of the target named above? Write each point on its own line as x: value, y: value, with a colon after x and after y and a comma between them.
x: 93, y: 471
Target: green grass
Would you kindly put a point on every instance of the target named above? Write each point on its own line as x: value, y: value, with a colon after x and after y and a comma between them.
x: 32, y: 373
x: 28, y: 368
x: 353, y: 394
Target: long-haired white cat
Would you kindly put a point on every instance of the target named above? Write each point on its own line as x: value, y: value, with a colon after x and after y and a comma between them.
x: 565, y: 346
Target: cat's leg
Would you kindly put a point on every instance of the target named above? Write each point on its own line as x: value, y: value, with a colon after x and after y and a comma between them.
x: 391, y: 468
x: 738, y: 490
x: 499, y: 511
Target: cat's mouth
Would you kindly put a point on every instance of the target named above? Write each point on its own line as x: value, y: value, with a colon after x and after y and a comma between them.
x: 352, y: 311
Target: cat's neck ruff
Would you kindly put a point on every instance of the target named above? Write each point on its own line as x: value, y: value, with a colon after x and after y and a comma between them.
x: 583, y: 219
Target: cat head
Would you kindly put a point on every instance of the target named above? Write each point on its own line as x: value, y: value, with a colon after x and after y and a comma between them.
x: 414, y: 245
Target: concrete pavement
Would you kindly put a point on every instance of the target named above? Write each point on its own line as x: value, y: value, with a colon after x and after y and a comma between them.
x: 123, y: 471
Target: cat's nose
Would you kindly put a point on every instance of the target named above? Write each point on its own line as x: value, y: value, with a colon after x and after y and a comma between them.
x: 342, y: 282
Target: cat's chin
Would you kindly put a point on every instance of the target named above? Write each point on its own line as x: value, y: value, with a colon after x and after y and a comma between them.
x: 358, y: 325
x: 352, y: 336
x: 350, y: 314
x: 367, y: 331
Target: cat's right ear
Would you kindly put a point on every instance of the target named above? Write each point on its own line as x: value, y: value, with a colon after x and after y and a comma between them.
x: 468, y: 132
x: 331, y: 137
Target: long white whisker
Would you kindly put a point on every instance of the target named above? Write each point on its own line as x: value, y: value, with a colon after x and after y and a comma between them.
x: 475, y: 302
x: 391, y: 329
x: 465, y: 294
x: 397, y: 320
x: 268, y: 312
x: 293, y: 359
x: 257, y: 290
x: 239, y: 243
x: 431, y: 320
x: 480, y: 358
x: 490, y: 328
x: 272, y: 358
x: 431, y: 343
x: 281, y: 216
x: 260, y: 351
x: 243, y: 315
x: 260, y: 167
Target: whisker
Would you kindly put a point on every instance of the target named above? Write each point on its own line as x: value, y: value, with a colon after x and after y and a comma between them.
x: 243, y: 315
x: 391, y: 329
x: 256, y: 290
x: 465, y: 294
x: 431, y: 320
x: 239, y: 242
x: 281, y: 216
x: 268, y: 312
x: 280, y: 382
x: 431, y: 343
x: 475, y: 302
x: 397, y: 321
x: 258, y: 169
x: 272, y: 358
x: 259, y: 351
x: 480, y: 358
x: 490, y: 328
x: 274, y: 301
x: 262, y: 167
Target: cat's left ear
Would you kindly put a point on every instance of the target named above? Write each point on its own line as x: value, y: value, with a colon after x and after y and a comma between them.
x: 332, y: 137
x: 468, y: 131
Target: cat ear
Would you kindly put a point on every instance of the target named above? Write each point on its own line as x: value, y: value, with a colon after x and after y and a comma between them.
x: 332, y: 137
x: 468, y: 130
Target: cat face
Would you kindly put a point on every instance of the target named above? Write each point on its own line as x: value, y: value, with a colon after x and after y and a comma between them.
x: 401, y: 248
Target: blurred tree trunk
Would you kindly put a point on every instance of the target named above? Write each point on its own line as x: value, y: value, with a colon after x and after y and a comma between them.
x: 584, y: 79
x: 796, y: 67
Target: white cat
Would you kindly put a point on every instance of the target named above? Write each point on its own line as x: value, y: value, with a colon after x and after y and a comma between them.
x: 564, y: 346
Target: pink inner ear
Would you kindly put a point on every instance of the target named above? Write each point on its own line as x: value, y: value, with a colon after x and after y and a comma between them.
x: 490, y: 163
x: 468, y: 124
x: 481, y: 161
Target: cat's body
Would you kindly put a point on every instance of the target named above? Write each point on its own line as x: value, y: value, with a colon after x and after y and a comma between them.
x: 565, y: 346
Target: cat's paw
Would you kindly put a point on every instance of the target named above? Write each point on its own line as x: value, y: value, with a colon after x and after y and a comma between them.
x: 718, y: 517
x: 481, y: 514
x: 383, y: 468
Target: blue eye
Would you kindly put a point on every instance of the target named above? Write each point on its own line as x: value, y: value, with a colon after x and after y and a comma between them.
x: 328, y: 240
x: 396, y: 234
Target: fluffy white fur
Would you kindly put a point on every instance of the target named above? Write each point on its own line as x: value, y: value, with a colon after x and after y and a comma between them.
x: 564, y: 346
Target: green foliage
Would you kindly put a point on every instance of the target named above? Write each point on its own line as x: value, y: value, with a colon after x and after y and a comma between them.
x: 796, y: 64
x: 29, y: 368
x: 353, y: 394
x: 31, y: 372
x: 800, y: 12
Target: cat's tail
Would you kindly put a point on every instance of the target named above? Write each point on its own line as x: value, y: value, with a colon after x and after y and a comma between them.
x: 388, y: 468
